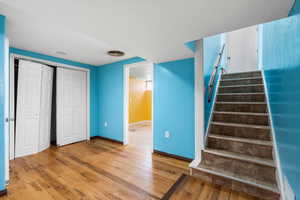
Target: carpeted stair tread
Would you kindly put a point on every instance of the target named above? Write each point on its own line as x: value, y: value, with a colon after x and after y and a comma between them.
x: 244, y: 140
x: 229, y: 154
x: 238, y: 178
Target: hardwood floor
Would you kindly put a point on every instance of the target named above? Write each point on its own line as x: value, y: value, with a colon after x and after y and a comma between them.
x: 192, y: 188
x: 99, y: 170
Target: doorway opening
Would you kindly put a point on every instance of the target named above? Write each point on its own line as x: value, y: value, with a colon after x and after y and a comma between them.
x: 138, y: 104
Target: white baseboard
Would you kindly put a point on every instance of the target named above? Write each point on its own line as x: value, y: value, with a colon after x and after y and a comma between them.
x: 195, y: 163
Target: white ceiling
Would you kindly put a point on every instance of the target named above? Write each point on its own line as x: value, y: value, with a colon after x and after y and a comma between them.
x: 141, y: 71
x: 152, y: 29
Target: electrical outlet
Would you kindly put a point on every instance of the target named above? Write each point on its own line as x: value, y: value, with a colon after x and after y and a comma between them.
x: 105, y: 124
x: 167, y: 134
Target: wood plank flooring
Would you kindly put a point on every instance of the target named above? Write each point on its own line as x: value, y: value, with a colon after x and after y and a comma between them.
x: 192, y: 188
x: 103, y: 170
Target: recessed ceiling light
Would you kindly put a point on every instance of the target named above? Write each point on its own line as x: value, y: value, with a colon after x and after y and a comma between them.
x: 61, y: 53
x: 116, y: 53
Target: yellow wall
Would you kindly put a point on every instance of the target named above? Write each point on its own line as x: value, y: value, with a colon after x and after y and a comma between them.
x: 139, y: 101
x: 148, y: 96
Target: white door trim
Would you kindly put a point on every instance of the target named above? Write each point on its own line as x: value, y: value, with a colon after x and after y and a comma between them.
x: 12, y: 91
x: 57, y: 64
x: 11, y: 114
x: 126, y: 101
x: 6, y: 108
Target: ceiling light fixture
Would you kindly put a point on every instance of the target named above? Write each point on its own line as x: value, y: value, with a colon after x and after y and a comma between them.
x: 116, y: 53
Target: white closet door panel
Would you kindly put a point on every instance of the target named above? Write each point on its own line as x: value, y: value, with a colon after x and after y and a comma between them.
x: 71, y: 106
x: 45, y: 110
x: 28, y: 108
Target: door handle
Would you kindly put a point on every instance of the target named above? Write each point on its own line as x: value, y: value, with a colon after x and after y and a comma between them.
x: 9, y: 119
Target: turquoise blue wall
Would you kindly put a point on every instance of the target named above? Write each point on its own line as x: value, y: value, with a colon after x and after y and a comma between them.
x: 173, y: 104
x: 211, y: 49
x: 191, y: 45
x: 2, y: 139
x: 93, y: 114
x: 110, y: 98
x: 296, y: 8
x: 174, y: 107
x: 281, y: 65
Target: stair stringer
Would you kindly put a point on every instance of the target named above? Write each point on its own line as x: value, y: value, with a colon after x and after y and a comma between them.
x: 273, y: 136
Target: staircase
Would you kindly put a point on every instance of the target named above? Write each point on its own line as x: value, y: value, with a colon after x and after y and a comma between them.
x: 239, y: 148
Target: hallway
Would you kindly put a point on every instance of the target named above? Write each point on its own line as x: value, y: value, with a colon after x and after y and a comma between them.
x: 140, y: 135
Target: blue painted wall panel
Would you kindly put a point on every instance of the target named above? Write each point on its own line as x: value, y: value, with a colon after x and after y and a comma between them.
x: 2, y: 139
x: 174, y: 107
x: 211, y: 49
x: 191, y: 45
x: 295, y: 9
x: 93, y: 114
x: 110, y: 91
x: 281, y: 65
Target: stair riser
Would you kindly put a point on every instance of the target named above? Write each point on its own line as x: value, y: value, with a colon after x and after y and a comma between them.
x: 262, y: 151
x: 242, y: 75
x: 241, y: 98
x: 242, y: 89
x: 241, y: 168
x: 241, y: 118
x: 235, y: 185
x: 255, y: 108
x: 241, y: 82
x: 243, y: 132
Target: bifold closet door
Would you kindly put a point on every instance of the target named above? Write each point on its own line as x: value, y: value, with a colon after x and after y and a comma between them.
x: 46, y: 105
x: 34, y: 92
x: 71, y: 106
x: 28, y: 108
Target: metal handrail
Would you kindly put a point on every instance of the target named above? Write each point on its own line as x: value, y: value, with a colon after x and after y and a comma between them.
x: 214, y: 73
